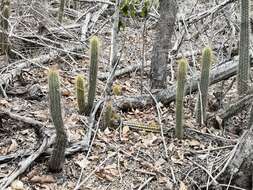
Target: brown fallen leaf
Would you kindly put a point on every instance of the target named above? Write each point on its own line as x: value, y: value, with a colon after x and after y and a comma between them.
x: 17, y: 185
x: 83, y: 163
x: 13, y: 146
x: 43, y: 179
x: 109, y: 172
x: 149, y: 139
x: 182, y: 186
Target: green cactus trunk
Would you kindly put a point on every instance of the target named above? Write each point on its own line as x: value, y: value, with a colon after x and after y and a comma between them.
x: 58, y: 156
x: 204, y: 83
x: 181, y: 79
x: 243, y: 67
x: 61, y: 11
x: 94, y: 51
x: 5, y: 26
x: 108, y: 115
x: 80, y: 94
x: 250, y: 120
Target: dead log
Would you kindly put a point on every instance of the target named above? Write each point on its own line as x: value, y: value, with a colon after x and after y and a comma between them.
x: 220, y: 72
x: 120, y: 72
x: 6, y: 78
x: 222, y: 116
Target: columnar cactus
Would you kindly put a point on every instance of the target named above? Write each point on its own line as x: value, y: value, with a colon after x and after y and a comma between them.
x: 181, y: 79
x: 61, y: 11
x: 250, y: 120
x: 108, y: 115
x: 204, y: 83
x: 80, y: 93
x: 94, y: 51
x: 5, y: 9
x: 243, y: 68
x: 58, y: 156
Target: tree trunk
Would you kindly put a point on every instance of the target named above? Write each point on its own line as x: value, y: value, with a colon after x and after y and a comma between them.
x: 240, y: 167
x: 162, y: 44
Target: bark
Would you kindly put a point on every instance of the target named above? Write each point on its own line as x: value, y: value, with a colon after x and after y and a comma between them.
x: 162, y: 44
x: 240, y: 166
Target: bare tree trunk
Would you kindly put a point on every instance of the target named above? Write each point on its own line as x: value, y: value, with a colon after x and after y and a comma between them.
x: 162, y: 44
x: 114, y: 38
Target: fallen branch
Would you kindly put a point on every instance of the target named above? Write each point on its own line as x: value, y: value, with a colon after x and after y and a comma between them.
x: 233, y: 109
x: 220, y: 72
x: 6, y: 78
x: 23, y: 165
x: 126, y: 70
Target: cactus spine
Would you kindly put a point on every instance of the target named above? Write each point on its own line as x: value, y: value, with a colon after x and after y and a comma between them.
x: 5, y: 9
x: 181, y: 78
x: 204, y: 83
x: 80, y: 93
x: 94, y: 51
x: 58, y: 156
x: 243, y: 67
x: 61, y: 11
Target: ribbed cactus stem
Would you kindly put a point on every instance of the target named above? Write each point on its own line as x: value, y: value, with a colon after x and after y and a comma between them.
x: 61, y: 11
x: 250, y: 120
x: 108, y: 115
x: 58, y: 156
x: 94, y: 51
x: 80, y: 93
x: 181, y: 79
x: 243, y: 67
x: 204, y: 83
x: 5, y: 26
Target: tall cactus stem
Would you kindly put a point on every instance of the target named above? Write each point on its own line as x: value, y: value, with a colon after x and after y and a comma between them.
x: 243, y: 67
x: 94, y: 53
x: 58, y: 156
x: 181, y: 79
x: 61, y: 11
x: 108, y: 115
x: 204, y: 83
x: 5, y: 26
x: 80, y: 93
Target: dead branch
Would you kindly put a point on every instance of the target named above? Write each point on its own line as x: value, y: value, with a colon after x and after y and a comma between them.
x: 220, y: 72
x: 233, y: 109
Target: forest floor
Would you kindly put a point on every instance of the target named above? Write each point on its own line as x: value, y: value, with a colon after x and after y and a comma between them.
x: 121, y: 158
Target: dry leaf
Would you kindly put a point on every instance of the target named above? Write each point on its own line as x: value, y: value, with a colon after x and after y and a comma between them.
x: 107, y: 131
x: 171, y: 147
x: 42, y: 179
x: 4, y: 103
x: 182, y: 186
x: 13, y: 146
x: 109, y: 172
x: 125, y: 130
x: 159, y: 163
x: 66, y: 93
x: 150, y: 138
x: 178, y: 157
x: 194, y: 142
x: 17, y: 185
x: 83, y: 163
